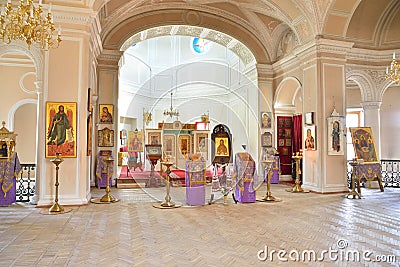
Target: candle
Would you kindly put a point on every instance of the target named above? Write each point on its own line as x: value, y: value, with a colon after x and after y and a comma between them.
x: 387, y: 70
x: 50, y: 8
x: 394, y: 55
x: 59, y: 30
x: 40, y: 2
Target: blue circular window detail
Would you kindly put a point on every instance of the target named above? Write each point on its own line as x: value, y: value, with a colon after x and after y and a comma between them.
x: 200, y: 45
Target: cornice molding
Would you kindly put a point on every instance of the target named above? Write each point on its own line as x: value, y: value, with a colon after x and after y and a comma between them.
x: 70, y: 17
x: 371, y: 105
x: 110, y: 56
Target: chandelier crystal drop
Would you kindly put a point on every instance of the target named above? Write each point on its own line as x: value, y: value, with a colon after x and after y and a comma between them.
x: 392, y: 73
x: 28, y: 23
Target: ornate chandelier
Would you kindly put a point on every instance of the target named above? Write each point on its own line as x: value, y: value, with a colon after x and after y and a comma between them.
x: 171, y: 112
x: 393, y: 72
x: 26, y: 22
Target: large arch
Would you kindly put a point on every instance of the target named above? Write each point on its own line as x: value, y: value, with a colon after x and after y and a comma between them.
x: 114, y: 38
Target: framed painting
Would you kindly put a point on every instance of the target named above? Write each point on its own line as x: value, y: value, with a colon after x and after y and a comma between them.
x: 281, y: 142
x: 309, y: 118
x: 184, y: 144
x: 285, y: 151
x: 288, y: 142
x: 154, y: 137
x: 310, y: 140
x: 169, y: 145
x: 266, y: 139
x: 363, y: 143
x: 202, y: 144
x: 266, y: 118
x: 105, y: 137
x: 106, y: 112
x: 222, y: 146
x: 61, y: 121
x: 89, y: 135
x: 135, y: 141
x: 336, y: 138
x: 288, y: 133
x: 89, y: 100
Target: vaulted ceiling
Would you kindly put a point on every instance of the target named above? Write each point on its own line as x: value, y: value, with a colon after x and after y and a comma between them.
x: 261, y: 25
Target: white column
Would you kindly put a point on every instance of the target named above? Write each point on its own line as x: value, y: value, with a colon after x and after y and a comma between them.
x: 40, y: 117
x: 372, y: 119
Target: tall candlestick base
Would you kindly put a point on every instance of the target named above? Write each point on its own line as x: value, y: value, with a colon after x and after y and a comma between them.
x: 107, y: 198
x: 167, y: 204
x: 353, y: 193
x: 268, y: 197
x: 56, y: 208
x: 297, y: 188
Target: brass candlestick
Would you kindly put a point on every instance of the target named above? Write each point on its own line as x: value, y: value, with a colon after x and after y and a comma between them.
x: 297, y: 188
x: 353, y: 191
x: 267, y: 164
x: 56, y: 208
x: 107, y: 198
x: 168, y: 204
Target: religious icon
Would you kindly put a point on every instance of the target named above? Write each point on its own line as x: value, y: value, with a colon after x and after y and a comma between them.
x: 61, y: 120
x: 266, y: 119
x: 335, y: 136
x: 135, y: 141
x: 310, y: 141
x: 363, y: 144
x: 221, y: 146
x: 106, y: 113
x: 105, y: 137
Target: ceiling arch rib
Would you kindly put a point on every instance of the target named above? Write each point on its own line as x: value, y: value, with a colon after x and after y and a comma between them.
x: 115, y: 36
x: 183, y: 30
x: 245, y: 20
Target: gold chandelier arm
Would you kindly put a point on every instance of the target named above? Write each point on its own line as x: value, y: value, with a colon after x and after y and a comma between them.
x: 27, y: 22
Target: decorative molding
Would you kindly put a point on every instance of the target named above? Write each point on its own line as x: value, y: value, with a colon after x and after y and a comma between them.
x: 15, y: 107
x: 371, y: 105
x: 77, y: 16
x: 21, y: 83
x: 34, y: 53
x: 218, y: 37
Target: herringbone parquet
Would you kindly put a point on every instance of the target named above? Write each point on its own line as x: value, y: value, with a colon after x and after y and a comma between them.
x: 134, y: 233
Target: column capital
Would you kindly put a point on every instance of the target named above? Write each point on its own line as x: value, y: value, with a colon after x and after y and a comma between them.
x: 39, y: 87
x: 371, y: 104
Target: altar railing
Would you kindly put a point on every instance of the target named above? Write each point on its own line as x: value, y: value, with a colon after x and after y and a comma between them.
x: 26, y: 183
x: 390, y: 173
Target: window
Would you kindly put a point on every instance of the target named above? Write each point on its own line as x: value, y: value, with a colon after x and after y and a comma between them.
x: 354, y: 118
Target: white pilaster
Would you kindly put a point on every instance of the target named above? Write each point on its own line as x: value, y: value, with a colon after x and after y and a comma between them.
x: 372, y: 119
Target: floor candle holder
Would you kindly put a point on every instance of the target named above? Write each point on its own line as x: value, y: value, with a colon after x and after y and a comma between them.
x: 107, y: 198
x: 267, y: 165
x: 353, y: 193
x: 56, y: 208
x: 297, y: 188
x: 168, y: 204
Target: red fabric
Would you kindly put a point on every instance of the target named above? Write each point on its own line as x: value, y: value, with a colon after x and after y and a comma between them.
x: 297, y: 133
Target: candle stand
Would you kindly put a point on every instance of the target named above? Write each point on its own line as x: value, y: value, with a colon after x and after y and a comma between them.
x: 56, y: 208
x: 353, y: 193
x: 297, y: 188
x: 267, y: 165
x: 107, y: 198
x: 168, y: 204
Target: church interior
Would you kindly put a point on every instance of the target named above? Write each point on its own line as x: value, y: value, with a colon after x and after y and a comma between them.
x: 213, y: 133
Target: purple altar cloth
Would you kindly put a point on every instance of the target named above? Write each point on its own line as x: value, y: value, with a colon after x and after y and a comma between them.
x: 244, y: 169
x: 195, y: 180
x: 101, y: 172
x: 9, y: 171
